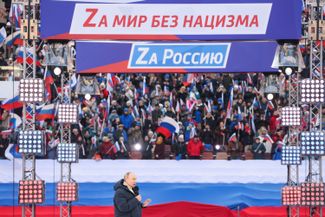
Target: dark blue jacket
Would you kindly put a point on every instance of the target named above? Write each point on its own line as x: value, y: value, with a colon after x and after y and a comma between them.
x: 127, y: 120
x: 125, y: 203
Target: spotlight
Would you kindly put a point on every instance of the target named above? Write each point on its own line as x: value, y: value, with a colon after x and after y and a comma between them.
x: 290, y: 116
x: 57, y: 71
x: 313, y: 143
x: 31, y: 142
x: 67, y: 191
x: 312, y: 194
x: 67, y: 113
x: 137, y: 146
x: 68, y: 153
x: 312, y: 91
x: 291, y: 155
x: 31, y: 191
x: 31, y: 90
x: 217, y: 147
x: 288, y: 71
x: 270, y: 96
x: 87, y: 96
x: 291, y: 195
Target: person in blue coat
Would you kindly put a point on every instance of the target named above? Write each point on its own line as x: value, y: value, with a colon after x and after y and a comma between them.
x: 127, y: 200
x: 126, y: 119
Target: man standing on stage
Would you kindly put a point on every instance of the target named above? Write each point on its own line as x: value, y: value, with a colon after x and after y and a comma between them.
x: 127, y: 200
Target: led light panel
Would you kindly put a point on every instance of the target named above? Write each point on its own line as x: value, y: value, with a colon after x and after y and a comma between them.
x: 31, y: 192
x: 290, y: 116
x: 291, y: 195
x: 68, y: 153
x: 313, y: 143
x: 312, y: 194
x: 291, y: 155
x: 67, y: 113
x: 67, y: 191
x: 31, y: 90
x: 31, y: 142
x: 312, y: 91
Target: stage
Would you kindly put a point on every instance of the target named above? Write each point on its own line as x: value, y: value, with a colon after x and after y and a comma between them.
x: 177, y: 188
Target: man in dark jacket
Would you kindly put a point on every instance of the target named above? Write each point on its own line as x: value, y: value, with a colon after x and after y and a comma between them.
x: 258, y: 149
x: 127, y: 200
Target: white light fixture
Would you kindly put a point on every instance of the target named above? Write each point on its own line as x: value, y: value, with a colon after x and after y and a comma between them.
x: 290, y: 116
x: 312, y: 91
x: 31, y: 90
x: 31, y: 142
x: 57, y: 71
x: 217, y: 147
x: 68, y: 153
x: 67, y: 113
x: 288, y: 71
x: 87, y: 96
x: 313, y: 143
x: 291, y: 155
x: 137, y: 146
x: 269, y: 96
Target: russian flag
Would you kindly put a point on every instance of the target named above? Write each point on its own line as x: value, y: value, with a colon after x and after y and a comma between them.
x: 13, y: 39
x: 249, y: 79
x: 256, y: 103
x: 11, y: 103
x: 116, y: 80
x: 253, y: 124
x: 167, y: 127
x: 116, y: 147
x: 29, y: 112
x: 12, y: 152
x: 232, y: 138
x: 110, y: 84
x: 15, y: 121
x: 149, y: 108
x: 230, y: 103
x: 188, y: 79
x: 73, y: 81
x: 270, y: 105
x: 15, y: 12
x: 267, y: 138
x: 48, y: 80
x: 145, y: 89
x: 29, y: 57
x: 190, y: 104
x: 178, y: 107
x: 46, y: 112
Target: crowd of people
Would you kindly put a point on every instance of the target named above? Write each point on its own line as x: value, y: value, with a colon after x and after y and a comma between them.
x: 215, y: 112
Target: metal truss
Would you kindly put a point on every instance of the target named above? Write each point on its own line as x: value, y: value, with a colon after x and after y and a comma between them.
x: 29, y: 36
x: 315, y: 119
x: 314, y: 174
x: 65, y: 133
x: 293, y: 135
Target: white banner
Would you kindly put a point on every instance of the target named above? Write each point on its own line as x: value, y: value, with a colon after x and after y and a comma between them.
x: 171, y: 19
x: 160, y: 171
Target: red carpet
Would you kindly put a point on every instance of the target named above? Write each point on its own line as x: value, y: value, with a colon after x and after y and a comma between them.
x: 271, y: 212
x: 183, y: 209
x: 178, y: 209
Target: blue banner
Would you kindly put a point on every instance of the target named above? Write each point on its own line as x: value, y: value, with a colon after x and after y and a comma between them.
x: 146, y: 57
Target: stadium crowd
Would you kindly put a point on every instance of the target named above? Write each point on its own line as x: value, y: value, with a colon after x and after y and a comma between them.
x: 216, y: 113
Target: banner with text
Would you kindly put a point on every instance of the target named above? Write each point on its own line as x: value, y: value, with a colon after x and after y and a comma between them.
x: 171, y: 20
x: 146, y: 57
